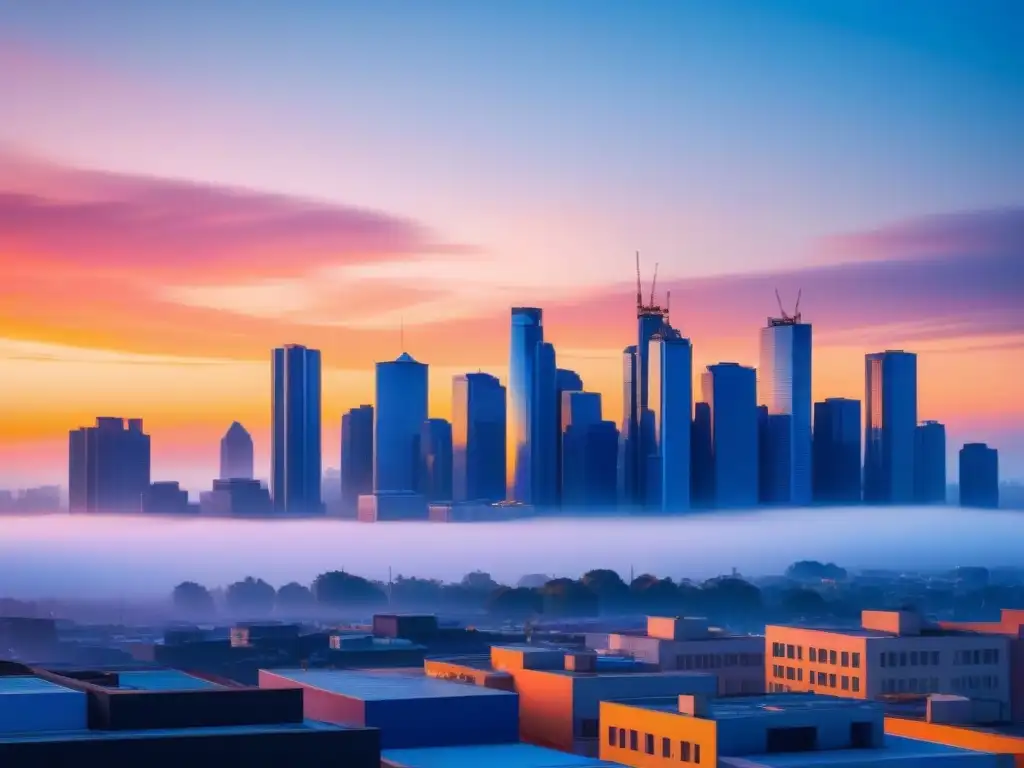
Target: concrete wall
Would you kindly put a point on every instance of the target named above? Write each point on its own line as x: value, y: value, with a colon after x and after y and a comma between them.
x: 956, y: 736
x: 619, y: 723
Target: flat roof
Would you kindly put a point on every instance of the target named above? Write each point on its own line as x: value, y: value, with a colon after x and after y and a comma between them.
x: 382, y: 684
x: 732, y: 707
x: 896, y: 748
x: 19, y: 685
x: 157, y: 733
x: 491, y: 755
x: 162, y: 680
x: 875, y: 633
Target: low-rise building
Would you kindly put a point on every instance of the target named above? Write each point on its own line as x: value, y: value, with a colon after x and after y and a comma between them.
x: 771, y: 731
x: 1010, y: 626
x: 517, y: 755
x: 892, y: 652
x: 692, y: 645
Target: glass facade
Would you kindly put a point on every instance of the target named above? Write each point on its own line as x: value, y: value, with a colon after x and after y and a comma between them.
x: 784, y: 387
x: 837, y: 468
x: 890, y: 425
x: 648, y: 324
x: 702, y: 464
x: 627, y: 434
x: 544, y: 427
x: 775, y: 455
x: 730, y: 390
x: 527, y: 333
x: 930, y: 463
x: 108, y: 466
x: 401, y: 413
x: 979, y: 476
x: 356, y: 455
x: 478, y: 438
x: 435, y: 476
x: 670, y: 377
x: 296, y: 432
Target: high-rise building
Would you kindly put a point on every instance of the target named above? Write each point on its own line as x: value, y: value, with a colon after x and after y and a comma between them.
x: 436, y: 460
x: 730, y: 390
x: 979, y: 476
x: 775, y: 456
x: 702, y: 462
x: 651, y: 320
x: 236, y: 454
x: 565, y: 381
x: 628, y: 427
x: 401, y: 411
x: 356, y: 456
x: 527, y: 334
x: 580, y: 411
x: 545, y: 427
x: 930, y: 463
x: 837, y: 470
x: 784, y: 386
x: 591, y: 454
x: 108, y: 466
x: 670, y: 376
x: 295, y: 436
x: 890, y: 424
x: 478, y: 437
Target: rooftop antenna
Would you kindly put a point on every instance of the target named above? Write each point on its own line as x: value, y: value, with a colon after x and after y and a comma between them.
x: 668, y: 307
x: 639, y: 292
x: 654, y: 283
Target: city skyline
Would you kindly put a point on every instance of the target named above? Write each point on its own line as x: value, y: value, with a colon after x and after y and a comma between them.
x: 188, y: 248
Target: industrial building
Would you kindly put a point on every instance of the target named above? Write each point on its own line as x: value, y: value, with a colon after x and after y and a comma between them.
x: 493, y: 755
x: 692, y: 645
x: 776, y: 731
x: 893, y: 652
x: 410, y: 708
x: 560, y: 690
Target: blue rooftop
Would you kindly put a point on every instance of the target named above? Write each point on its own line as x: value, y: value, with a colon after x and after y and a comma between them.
x: 24, y: 684
x: 896, y: 749
x: 162, y: 680
x: 155, y: 733
x: 383, y: 684
x: 490, y: 755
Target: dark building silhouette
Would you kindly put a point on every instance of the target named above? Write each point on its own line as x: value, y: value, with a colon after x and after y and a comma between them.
x: 236, y: 497
x: 702, y: 462
x: 580, y: 411
x: 775, y: 457
x: 979, y: 476
x: 730, y: 390
x: 108, y: 466
x: 165, y: 498
x: 930, y: 463
x: 527, y: 334
x: 651, y: 320
x: 356, y: 455
x: 236, y: 453
x: 545, y: 427
x: 627, y: 455
x: 890, y: 424
x: 591, y: 455
x: 479, y: 438
x: 436, y: 460
x: 565, y: 381
x: 836, y: 462
x: 296, y: 448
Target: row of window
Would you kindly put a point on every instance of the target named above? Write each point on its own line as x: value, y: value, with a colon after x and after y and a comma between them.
x: 688, y: 751
x: 825, y: 680
x: 817, y: 655
x: 718, y: 660
x: 911, y: 658
x: 979, y: 656
x: 975, y: 683
x: 911, y: 685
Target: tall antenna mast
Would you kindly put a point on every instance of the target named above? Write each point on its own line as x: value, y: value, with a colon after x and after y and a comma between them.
x: 639, y: 292
x: 654, y: 283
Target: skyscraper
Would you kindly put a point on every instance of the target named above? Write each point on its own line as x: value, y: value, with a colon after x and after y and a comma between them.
x: 930, y: 463
x: 702, y: 462
x: 670, y: 375
x: 730, y: 390
x: 775, y: 456
x: 356, y: 456
x: 890, y: 424
x: 580, y: 411
x: 295, y: 437
x: 401, y: 411
x: 565, y: 381
x: 236, y: 454
x: 837, y: 470
x: 527, y: 334
x: 651, y: 320
x: 979, y: 476
x: 784, y: 386
x: 108, y: 466
x: 545, y: 428
x: 478, y: 438
x: 591, y: 449
x: 436, y: 460
x: 627, y: 436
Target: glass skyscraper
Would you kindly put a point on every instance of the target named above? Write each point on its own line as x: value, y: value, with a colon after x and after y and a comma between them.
x: 627, y: 432
x: 650, y: 321
x: 401, y: 413
x: 979, y: 476
x: 356, y: 455
x: 296, y: 435
x: 930, y: 463
x: 730, y: 390
x: 478, y: 437
x: 784, y: 387
x: 837, y: 467
x: 527, y: 334
x: 108, y: 466
x: 670, y: 375
x: 890, y: 425
x: 544, y: 427
x: 435, y: 476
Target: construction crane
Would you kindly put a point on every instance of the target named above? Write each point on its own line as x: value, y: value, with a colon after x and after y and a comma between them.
x: 786, y: 318
x: 650, y: 307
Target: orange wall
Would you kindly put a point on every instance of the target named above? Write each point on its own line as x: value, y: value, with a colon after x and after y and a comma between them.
x: 661, y: 725
x: 957, y: 736
x: 803, y: 668
x: 545, y: 708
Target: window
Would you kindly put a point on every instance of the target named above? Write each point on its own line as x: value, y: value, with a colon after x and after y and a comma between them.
x: 845, y: 659
x: 935, y: 658
x: 666, y: 747
x: 684, y: 751
x: 800, y: 674
x: 589, y: 728
x: 622, y: 738
x: 696, y: 753
x: 856, y: 660
x: 649, y: 743
x: 800, y: 653
x: 832, y: 681
x: 913, y: 658
x: 822, y: 678
x: 856, y: 685
x: 634, y: 740
x: 832, y: 657
x: 612, y: 734
x: 790, y: 652
x: 790, y: 673
x: 923, y: 658
x: 892, y: 658
x: 881, y: 659
x: 813, y: 654
x: 822, y: 655
x: 903, y: 658
x: 844, y: 683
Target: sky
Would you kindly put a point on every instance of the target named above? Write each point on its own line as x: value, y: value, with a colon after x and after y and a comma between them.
x: 185, y: 185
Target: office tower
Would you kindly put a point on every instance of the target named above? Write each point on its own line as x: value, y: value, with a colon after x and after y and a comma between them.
x: 108, y: 466
x: 775, y: 456
x: 702, y: 463
x: 784, y: 386
x: 236, y: 454
x: 479, y: 438
x: 544, y: 437
x: 627, y: 456
x: 837, y: 470
x: 436, y: 460
x: 527, y: 334
x: 670, y: 376
x: 890, y: 424
x: 356, y: 456
x: 580, y: 411
x: 401, y: 411
x: 730, y: 390
x: 295, y: 441
x: 979, y: 476
x: 651, y: 320
x: 591, y: 454
x: 565, y: 381
x: 930, y: 463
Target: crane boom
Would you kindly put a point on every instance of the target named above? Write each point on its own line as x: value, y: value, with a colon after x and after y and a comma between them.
x: 654, y: 282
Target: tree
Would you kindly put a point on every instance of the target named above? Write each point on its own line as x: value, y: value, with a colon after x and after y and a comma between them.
x: 415, y: 592
x: 250, y: 596
x: 514, y: 603
x: 804, y: 602
x: 565, y: 597
x: 294, y: 598
x: 812, y: 570
x: 345, y: 590
x: 653, y: 595
x: 480, y: 581
x: 612, y: 592
x: 192, y: 599
x: 729, y: 594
